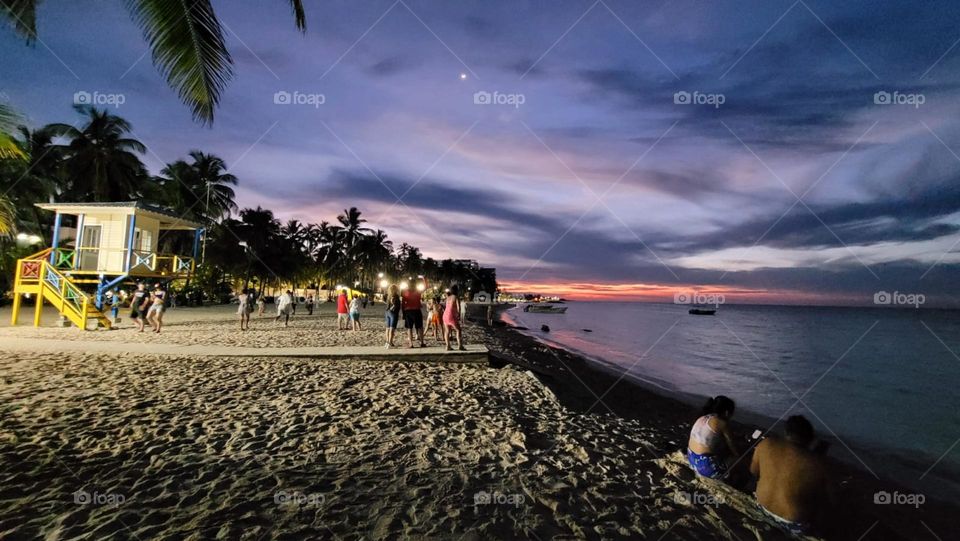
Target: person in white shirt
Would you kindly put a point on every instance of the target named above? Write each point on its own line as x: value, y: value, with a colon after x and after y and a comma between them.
x: 285, y: 307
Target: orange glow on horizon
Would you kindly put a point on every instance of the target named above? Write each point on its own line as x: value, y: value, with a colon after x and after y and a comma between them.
x: 587, y: 291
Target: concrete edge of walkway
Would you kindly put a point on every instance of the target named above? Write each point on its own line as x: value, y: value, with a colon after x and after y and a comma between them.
x: 475, y: 353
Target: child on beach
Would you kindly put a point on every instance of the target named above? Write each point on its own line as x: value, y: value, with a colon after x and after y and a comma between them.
x: 261, y: 305
x: 451, y: 318
x: 114, y: 298
x: 355, y: 313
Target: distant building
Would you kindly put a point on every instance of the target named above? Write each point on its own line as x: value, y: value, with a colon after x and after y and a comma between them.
x: 483, y: 296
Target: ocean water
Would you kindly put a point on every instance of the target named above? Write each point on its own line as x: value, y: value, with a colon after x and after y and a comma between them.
x: 883, y: 385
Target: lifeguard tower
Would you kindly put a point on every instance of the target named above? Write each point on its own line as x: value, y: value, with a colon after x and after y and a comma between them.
x: 112, y: 243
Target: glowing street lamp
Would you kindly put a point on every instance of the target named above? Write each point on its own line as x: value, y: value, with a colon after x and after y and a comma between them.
x: 380, y: 275
x: 404, y: 285
x: 384, y: 284
x: 421, y: 286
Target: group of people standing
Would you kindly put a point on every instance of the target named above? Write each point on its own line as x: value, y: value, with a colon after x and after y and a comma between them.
x: 145, y: 306
x: 443, y: 315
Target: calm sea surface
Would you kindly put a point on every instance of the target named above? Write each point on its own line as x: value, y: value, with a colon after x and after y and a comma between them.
x: 882, y: 384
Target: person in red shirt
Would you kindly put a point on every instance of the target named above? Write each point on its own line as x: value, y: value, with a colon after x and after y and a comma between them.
x: 343, y: 311
x: 411, y: 299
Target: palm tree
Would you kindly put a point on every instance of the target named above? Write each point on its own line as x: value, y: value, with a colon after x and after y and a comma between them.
x: 186, y: 41
x: 101, y: 163
x: 213, y: 184
x: 353, y: 229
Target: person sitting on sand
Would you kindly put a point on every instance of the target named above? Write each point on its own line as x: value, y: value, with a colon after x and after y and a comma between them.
x: 711, y: 449
x: 285, y: 307
x: 392, y: 313
x: 244, y: 308
x: 138, y: 306
x: 451, y: 318
x: 792, y: 480
x: 157, y: 307
x: 343, y: 310
x: 355, y: 313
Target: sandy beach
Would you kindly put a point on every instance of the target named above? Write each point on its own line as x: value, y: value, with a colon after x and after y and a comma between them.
x: 129, y: 446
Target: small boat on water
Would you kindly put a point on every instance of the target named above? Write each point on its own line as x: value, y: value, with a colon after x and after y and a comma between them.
x: 544, y: 309
x: 698, y: 311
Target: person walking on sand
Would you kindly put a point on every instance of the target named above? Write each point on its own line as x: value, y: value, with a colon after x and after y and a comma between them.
x: 261, y: 305
x: 355, y: 313
x: 392, y: 313
x: 451, y: 318
x: 244, y: 308
x: 309, y: 305
x: 343, y: 311
x: 157, y: 307
x: 411, y: 300
x: 138, y: 306
x: 285, y: 307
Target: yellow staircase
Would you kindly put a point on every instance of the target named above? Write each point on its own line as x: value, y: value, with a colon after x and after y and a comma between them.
x: 36, y: 276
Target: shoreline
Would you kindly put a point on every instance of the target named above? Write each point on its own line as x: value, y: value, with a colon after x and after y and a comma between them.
x: 578, y: 381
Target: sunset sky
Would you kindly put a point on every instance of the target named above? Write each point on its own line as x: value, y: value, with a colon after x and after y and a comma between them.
x: 790, y: 178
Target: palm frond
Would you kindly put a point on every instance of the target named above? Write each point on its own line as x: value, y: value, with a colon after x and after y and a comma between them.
x: 22, y: 14
x: 9, y: 119
x: 8, y: 216
x: 187, y: 45
x: 300, y: 15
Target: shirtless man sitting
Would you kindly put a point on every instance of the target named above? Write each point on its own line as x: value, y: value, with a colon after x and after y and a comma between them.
x: 792, y: 484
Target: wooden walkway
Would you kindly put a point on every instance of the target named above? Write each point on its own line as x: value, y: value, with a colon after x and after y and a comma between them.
x: 474, y: 354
